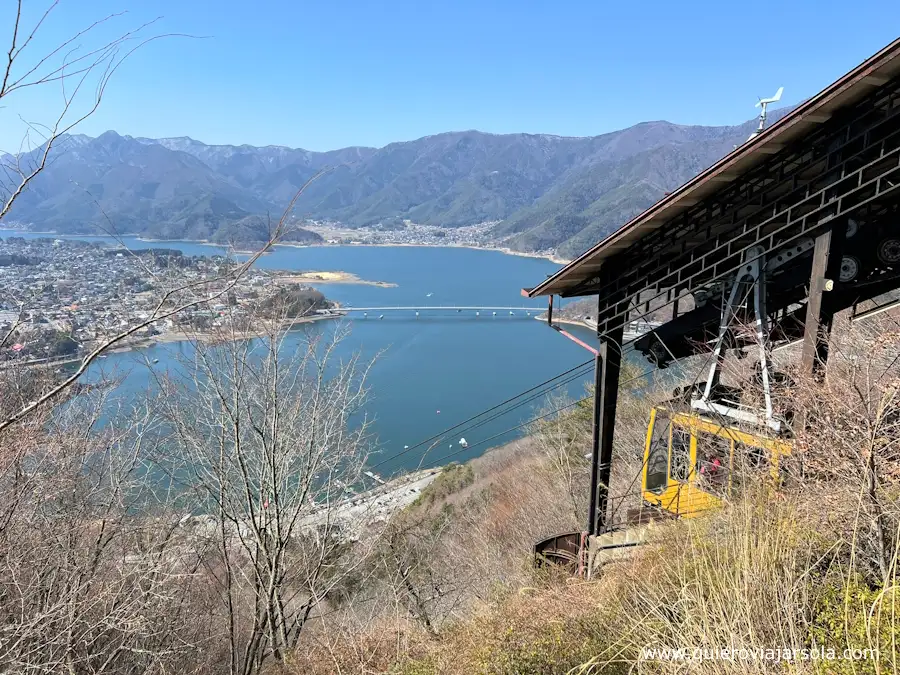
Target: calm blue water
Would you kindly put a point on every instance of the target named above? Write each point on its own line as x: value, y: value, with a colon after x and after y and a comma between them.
x: 456, y: 364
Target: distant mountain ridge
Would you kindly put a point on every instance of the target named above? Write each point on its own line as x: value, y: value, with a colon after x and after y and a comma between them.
x: 544, y: 192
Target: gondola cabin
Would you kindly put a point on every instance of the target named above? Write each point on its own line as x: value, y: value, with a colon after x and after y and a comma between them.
x: 692, y: 464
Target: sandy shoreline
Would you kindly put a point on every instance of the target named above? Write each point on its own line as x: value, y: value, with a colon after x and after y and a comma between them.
x: 504, y: 250
x: 330, y: 278
x: 170, y: 337
x: 205, y: 242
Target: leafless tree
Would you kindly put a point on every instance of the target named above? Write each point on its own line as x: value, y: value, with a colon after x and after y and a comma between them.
x: 564, y: 439
x: 95, y: 576
x: 79, y: 67
x: 265, y: 440
x: 847, y: 431
x: 417, y: 565
x: 99, y: 573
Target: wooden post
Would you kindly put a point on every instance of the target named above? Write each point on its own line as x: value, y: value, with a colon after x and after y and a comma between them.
x: 819, y: 315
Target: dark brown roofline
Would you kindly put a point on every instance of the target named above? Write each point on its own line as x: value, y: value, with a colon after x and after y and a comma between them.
x: 873, y: 72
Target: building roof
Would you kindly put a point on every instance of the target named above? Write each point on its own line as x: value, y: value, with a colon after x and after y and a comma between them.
x: 873, y: 72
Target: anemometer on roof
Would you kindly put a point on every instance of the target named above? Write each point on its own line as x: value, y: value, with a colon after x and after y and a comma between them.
x: 763, y: 103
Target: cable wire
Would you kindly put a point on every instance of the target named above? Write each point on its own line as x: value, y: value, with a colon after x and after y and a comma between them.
x: 442, y: 434
x: 584, y: 368
x: 535, y: 419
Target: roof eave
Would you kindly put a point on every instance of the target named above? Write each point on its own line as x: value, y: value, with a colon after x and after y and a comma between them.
x: 805, y: 113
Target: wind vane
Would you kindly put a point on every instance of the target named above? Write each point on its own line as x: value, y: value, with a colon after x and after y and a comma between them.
x: 763, y: 103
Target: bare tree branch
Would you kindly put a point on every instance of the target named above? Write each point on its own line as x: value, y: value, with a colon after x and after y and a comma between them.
x: 161, y: 311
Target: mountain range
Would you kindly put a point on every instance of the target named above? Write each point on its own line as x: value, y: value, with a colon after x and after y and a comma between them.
x: 540, y: 192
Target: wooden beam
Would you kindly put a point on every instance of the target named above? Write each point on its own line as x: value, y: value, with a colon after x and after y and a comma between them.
x: 826, y: 268
x: 812, y: 337
x: 876, y: 80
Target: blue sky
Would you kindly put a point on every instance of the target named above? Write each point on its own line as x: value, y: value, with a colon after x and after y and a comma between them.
x: 328, y: 74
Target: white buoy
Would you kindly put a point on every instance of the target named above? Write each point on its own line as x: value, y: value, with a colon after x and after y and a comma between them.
x: 463, y: 443
x: 477, y: 313
x: 365, y: 315
x: 417, y: 315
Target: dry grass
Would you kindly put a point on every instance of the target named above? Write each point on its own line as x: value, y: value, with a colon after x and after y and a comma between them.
x: 739, y: 579
x: 778, y: 573
x: 761, y: 575
x: 537, y: 630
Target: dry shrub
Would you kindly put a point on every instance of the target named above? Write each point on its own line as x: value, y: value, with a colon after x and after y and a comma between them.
x: 93, y: 580
x: 548, y: 630
x: 736, y: 579
x: 847, y: 440
x: 361, y: 648
x: 515, y: 501
x: 764, y: 575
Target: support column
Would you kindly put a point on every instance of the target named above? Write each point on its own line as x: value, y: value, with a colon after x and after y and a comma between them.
x: 595, y: 444
x: 607, y: 366
x: 819, y: 315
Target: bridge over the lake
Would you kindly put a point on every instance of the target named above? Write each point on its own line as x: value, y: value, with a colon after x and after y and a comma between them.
x: 633, y: 330
x: 528, y: 311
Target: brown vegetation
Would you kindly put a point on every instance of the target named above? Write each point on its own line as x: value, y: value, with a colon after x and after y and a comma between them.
x: 206, y: 530
x: 788, y: 578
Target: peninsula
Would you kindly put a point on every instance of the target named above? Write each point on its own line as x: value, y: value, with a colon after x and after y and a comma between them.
x: 330, y: 278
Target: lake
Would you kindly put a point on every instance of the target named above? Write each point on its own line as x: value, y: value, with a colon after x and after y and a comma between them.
x: 458, y: 364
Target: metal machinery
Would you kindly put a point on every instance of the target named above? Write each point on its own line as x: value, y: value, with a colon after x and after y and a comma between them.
x: 695, y: 458
x: 760, y: 250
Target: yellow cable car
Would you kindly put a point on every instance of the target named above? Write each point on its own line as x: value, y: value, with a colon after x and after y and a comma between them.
x: 692, y: 464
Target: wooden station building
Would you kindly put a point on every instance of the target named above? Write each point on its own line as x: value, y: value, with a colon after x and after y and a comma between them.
x: 807, y: 210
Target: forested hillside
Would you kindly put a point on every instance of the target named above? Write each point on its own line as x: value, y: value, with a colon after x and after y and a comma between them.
x: 543, y: 192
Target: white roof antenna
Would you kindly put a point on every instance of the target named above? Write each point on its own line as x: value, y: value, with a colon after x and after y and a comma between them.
x: 763, y: 103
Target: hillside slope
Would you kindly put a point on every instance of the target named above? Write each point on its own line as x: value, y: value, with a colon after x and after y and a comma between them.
x: 544, y: 192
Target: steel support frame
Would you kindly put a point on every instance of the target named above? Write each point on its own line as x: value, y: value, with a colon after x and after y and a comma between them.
x: 607, y: 366
x: 753, y: 275
x: 844, y: 166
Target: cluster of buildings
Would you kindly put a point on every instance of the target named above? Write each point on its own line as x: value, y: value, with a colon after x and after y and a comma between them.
x: 60, y: 296
x: 407, y: 233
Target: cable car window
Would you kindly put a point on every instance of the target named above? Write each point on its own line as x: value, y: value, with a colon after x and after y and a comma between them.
x: 713, y: 460
x: 681, y: 454
x: 658, y: 456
